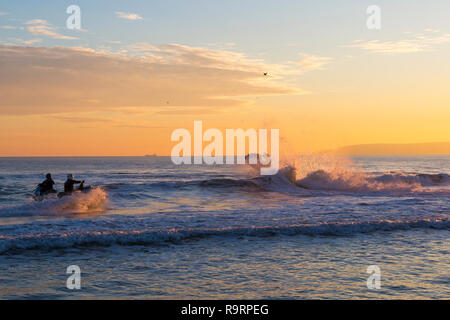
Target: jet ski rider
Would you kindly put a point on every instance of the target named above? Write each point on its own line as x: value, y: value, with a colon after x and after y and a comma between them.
x: 47, y: 185
x: 70, y: 182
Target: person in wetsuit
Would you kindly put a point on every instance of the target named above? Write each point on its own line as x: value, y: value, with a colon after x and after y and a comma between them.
x: 47, y: 185
x: 70, y: 182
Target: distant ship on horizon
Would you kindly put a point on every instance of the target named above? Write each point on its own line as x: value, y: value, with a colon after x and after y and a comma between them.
x: 151, y: 155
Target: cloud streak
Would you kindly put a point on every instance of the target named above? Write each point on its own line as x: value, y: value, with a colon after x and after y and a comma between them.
x: 24, y: 42
x: 421, y: 42
x: 41, y: 27
x: 128, y: 16
x: 309, y: 62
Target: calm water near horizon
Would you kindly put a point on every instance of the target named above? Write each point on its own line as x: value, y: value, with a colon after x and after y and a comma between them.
x: 153, y: 230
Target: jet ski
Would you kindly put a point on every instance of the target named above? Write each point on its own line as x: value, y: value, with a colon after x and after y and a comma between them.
x: 81, y: 189
x: 38, y: 196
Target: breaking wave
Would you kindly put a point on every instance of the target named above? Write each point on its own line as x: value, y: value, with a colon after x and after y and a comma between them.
x: 326, y: 180
x: 357, y: 181
x: 340, y: 174
x: 68, y: 239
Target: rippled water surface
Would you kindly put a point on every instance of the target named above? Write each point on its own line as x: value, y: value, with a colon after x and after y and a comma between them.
x: 150, y: 229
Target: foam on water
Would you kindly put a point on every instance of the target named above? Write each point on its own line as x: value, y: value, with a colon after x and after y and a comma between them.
x: 78, y: 202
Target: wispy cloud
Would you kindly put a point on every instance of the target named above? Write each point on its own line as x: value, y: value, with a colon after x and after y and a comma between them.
x: 140, y: 126
x: 420, y: 42
x: 128, y: 16
x: 24, y: 42
x: 432, y: 30
x: 3, y: 13
x: 226, y: 59
x: 402, y: 46
x: 75, y: 119
x: 42, y: 80
x: 43, y: 28
x: 8, y: 27
x: 36, y: 21
x: 310, y: 62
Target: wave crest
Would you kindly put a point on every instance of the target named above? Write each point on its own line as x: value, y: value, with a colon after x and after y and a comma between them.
x: 64, y: 239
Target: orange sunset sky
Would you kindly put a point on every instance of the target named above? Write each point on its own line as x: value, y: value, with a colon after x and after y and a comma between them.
x: 135, y: 72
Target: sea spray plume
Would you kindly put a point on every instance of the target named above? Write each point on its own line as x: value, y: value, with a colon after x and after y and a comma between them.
x: 300, y: 166
x: 94, y: 201
x: 295, y: 167
x: 306, y: 164
x: 82, y: 202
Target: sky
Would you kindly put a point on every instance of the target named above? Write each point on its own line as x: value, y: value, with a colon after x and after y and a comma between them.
x: 138, y: 70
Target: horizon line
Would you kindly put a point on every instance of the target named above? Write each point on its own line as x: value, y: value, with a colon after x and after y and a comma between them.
x: 168, y: 156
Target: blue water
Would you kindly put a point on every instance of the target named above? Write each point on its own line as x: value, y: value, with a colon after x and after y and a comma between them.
x: 153, y: 230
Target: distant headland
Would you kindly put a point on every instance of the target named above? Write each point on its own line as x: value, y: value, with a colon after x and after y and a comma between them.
x: 429, y: 148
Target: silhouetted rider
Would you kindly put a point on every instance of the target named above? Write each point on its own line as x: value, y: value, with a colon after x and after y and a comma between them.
x: 47, y: 185
x: 70, y: 182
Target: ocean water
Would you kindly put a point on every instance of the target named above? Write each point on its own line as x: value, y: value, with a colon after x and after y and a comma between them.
x: 153, y: 230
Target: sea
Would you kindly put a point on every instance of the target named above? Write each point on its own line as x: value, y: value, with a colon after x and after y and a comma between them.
x: 150, y: 229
